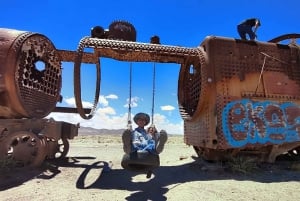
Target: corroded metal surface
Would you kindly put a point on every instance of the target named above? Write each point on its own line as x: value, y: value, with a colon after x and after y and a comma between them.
x: 28, y: 90
x: 123, y: 51
x: 138, y: 52
x: 30, y: 141
x: 70, y: 56
x: 129, y: 51
x: 235, y: 97
x: 30, y: 84
x: 24, y: 147
x: 250, y: 102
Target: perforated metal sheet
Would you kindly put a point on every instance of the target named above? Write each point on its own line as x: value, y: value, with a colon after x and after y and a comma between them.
x: 30, y: 75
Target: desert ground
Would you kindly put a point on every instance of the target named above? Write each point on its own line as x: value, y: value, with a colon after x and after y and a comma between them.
x: 92, y: 171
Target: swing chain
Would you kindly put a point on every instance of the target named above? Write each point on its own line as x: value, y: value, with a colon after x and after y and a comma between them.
x: 129, y: 123
x: 154, y: 40
x: 153, y: 95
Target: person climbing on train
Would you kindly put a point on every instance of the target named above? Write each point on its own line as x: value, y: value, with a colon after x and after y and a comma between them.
x: 246, y: 27
x: 140, y: 140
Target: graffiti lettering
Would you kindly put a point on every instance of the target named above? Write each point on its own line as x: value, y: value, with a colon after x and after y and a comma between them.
x: 249, y: 122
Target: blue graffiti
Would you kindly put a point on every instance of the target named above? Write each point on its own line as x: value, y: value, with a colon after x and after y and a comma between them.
x: 249, y: 122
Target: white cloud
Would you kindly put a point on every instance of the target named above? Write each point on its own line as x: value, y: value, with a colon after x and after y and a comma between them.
x: 103, y: 101
x: 161, y: 122
x: 111, y: 96
x: 71, y: 102
x: 106, y: 117
x: 107, y: 110
x: 167, y: 108
x: 134, y: 102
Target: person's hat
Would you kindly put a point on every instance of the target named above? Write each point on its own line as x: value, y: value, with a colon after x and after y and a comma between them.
x: 141, y: 115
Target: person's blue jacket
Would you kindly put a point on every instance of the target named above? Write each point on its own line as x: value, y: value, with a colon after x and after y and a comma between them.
x: 142, y: 141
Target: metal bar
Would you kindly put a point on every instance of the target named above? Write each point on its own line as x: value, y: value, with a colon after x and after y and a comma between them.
x: 69, y: 56
x: 139, y: 52
x: 70, y: 110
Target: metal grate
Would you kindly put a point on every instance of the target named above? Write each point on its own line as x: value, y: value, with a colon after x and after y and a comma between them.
x: 39, y: 88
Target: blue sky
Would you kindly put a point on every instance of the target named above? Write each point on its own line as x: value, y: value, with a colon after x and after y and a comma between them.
x: 182, y: 23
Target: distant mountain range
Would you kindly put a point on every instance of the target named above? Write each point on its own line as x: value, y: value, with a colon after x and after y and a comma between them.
x: 93, y: 131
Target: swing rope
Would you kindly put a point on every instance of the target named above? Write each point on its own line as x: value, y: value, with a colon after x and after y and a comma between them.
x: 153, y: 94
x: 129, y: 123
x: 154, y: 40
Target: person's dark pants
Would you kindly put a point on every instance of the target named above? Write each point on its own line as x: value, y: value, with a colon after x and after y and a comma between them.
x: 245, y: 29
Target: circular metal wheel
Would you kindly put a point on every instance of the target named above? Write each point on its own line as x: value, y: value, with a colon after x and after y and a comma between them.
x: 25, y: 148
x: 122, y: 30
x: 62, y: 148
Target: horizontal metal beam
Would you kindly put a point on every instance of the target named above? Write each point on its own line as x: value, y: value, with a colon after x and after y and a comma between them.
x: 70, y: 110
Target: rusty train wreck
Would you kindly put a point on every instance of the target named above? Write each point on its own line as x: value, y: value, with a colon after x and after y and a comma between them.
x: 241, y: 97
x: 28, y: 94
x: 235, y: 97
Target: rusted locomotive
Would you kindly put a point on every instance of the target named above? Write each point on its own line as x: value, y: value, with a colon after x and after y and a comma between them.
x: 30, y: 84
x: 242, y: 98
x: 235, y: 96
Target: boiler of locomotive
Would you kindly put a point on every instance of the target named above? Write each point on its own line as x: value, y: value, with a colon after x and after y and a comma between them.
x: 30, y: 75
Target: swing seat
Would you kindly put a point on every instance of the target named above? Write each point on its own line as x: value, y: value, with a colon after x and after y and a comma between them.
x: 141, y: 161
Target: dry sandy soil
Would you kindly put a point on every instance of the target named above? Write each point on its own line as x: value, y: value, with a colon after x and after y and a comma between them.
x: 92, y: 171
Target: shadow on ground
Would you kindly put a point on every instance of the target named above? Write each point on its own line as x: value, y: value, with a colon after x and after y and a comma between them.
x: 163, y: 179
x: 167, y: 176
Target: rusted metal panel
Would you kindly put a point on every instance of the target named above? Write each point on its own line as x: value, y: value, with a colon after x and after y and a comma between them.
x: 251, y: 101
x: 31, y: 141
x: 28, y: 90
x: 70, y: 56
x: 30, y: 84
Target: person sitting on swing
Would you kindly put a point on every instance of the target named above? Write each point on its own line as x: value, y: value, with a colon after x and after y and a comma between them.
x: 140, y: 140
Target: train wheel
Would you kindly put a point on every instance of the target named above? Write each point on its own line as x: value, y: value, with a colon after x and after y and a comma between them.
x: 62, y: 148
x: 25, y: 148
